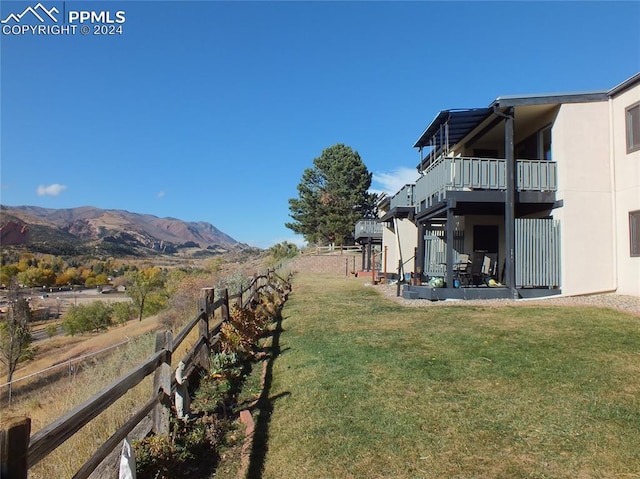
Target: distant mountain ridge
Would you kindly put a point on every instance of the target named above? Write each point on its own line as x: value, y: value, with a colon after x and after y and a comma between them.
x: 134, y: 230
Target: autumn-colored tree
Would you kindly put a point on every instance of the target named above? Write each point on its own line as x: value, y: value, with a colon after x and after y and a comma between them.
x: 15, y: 334
x: 34, y: 276
x: 7, y: 273
x: 140, y: 284
x: 68, y: 276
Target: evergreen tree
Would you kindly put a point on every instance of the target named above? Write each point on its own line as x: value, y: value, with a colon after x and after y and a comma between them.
x: 333, y: 196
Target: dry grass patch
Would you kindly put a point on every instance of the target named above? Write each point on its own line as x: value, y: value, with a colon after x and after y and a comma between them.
x: 63, y: 392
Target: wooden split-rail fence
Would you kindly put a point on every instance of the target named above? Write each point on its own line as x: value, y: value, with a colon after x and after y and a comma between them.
x: 19, y: 450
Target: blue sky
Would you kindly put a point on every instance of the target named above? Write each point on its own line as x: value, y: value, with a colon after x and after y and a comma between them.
x: 210, y: 111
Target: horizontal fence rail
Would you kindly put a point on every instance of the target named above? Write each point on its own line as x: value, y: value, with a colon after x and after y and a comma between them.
x: 19, y: 450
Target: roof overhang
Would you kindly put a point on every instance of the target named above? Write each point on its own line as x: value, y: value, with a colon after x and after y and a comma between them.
x: 399, y: 212
x: 635, y: 79
x: 460, y: 123
x: 549, y: 99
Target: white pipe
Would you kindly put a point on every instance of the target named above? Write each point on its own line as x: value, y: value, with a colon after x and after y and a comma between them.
x: 614, y: 206
x: 401, y: 272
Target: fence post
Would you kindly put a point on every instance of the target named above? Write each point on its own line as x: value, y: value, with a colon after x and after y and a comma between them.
x: 204, y: 307
x: 254, y: 286
x: 182, y: 393
x: 162, y: 381
x: 14, y: 442
x: 225, y: 305
x: 385, y: 263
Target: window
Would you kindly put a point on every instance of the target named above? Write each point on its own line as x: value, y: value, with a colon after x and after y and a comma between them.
x: 633, y: 128
x: 544, y: 145
x: 634, y: 232
x: 536, y: 146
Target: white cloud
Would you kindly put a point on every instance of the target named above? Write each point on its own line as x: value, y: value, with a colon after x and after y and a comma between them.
x: 161, y: 194
x: 391, y: 182
x: 51, y: 190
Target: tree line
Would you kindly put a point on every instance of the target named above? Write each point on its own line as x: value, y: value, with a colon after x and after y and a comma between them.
x: 38, y: 270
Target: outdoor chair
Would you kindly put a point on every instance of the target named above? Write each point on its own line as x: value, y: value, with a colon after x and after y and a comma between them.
x: 490, y: 265
x: 462, y: 270
x: 478, y: 268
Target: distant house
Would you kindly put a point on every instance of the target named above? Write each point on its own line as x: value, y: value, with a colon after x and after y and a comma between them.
x: 14, y: 233
x: 543, y: 191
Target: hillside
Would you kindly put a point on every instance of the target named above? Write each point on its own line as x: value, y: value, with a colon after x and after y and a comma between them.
x: 118, y: 232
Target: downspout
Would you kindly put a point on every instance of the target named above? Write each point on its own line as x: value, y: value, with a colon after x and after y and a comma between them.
x: 401, y: 261
x: 614, y: 202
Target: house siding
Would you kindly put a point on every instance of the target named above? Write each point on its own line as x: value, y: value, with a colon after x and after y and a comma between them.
x: 626, y: 184
x: 580, y: 145
x: 408, y: 232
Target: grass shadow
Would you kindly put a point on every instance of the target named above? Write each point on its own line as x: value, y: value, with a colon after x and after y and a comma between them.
x: 265, y: 405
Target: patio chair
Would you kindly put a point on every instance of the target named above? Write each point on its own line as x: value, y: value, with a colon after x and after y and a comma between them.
x: 462, y: 270
x: 477, y: 268
x: 490, y: 266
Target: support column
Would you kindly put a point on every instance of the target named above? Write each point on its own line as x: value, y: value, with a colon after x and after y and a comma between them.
x: 510, y: 204
x: 450, y: 226
x: 420, y: 250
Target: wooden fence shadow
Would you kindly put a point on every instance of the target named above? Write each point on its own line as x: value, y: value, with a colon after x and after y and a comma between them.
x: 265, y: 405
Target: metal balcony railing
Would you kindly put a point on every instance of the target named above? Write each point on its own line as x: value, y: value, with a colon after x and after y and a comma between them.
x: 368, y: 229
x: 460, y: 174
x: 404, y: 197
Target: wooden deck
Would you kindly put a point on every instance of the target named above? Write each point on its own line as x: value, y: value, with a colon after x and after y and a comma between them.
x: 480, y: 292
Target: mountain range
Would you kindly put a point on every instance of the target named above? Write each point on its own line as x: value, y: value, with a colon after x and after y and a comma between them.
x: 115, y: 231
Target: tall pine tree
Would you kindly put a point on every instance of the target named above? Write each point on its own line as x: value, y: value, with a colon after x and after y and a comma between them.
x: 333, y: 196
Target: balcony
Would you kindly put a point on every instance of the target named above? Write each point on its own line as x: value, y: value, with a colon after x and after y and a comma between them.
x: 472, y: 174
x: 368, y: 229
x: 404, y: 197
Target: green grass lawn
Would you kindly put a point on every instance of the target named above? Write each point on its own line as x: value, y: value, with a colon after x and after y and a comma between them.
x: 366, y: 388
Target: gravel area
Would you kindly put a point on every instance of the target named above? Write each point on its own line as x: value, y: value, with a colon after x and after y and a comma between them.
x: 630, y: 304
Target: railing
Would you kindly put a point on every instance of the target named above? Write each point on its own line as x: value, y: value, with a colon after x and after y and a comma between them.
x: 368, y: 229
x: 537, y: 252
x: 460, y: 174
x: 404, y: 197
x: 19, y: 451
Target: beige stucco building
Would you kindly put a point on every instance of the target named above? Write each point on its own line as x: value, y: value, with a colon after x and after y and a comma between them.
x: 543, y: 190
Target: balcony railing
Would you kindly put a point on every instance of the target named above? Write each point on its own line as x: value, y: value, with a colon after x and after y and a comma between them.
x: 462, y: 174
x: 404, y: 197
x: 368, y: 229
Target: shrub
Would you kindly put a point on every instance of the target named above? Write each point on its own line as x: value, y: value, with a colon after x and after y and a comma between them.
x: 83, y: 318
